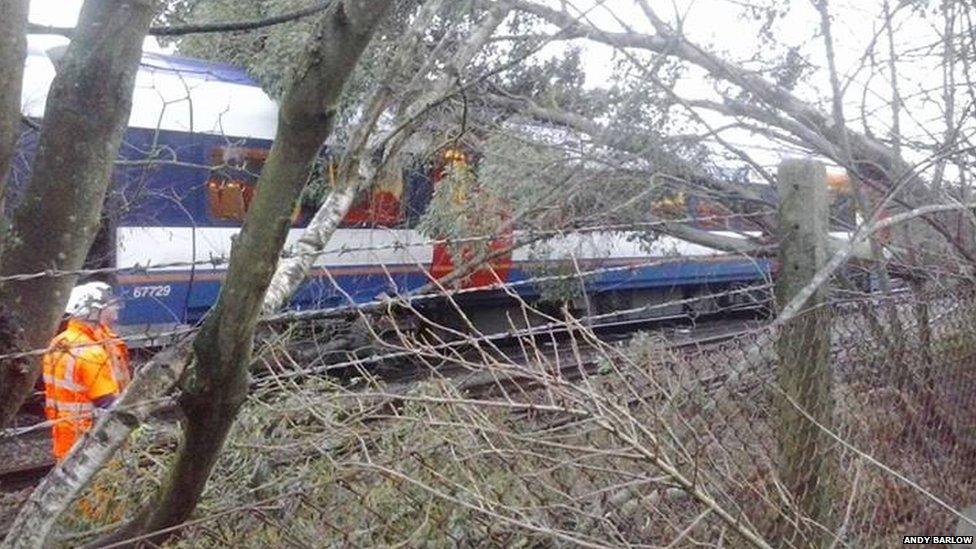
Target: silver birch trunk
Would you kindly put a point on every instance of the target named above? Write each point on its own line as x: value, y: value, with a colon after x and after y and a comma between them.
x: 292, y: 271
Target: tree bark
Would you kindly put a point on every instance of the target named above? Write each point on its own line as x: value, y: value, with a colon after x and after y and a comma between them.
x: 13, y: 52
x: 292, y: 271
x: 217, y: 387
x: 84, y: 119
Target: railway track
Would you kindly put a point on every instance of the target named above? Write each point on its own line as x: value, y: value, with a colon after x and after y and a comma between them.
x: 575, y: 364
x: 18, y: 478
x: 397, y: 366
x: 376, y: 407
x: 25, y: 454
x: 677, y: 331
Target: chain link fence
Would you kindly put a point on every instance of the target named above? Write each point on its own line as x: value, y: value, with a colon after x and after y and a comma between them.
x: 575, y: 441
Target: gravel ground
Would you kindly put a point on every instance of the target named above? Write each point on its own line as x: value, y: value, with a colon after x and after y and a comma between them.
x: 25, y: 450
x: 16, y: 453
x: 10, y: 502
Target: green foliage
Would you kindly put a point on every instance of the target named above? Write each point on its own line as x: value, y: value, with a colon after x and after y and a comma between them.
x: 318, y: 187
x: 557, y: 80
x: 266, y: 53
x: 463, y: 208
x: 174, y: 13
x: 552, y: 189
x: 423, y: 480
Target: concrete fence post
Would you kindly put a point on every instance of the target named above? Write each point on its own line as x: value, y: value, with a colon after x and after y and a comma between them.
x: 803, y: 347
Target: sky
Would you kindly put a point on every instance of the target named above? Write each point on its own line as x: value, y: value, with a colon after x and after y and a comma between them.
x: 710, y: 22
x: 64, y: 13
x: 718, y: 26
x: 715, y: 24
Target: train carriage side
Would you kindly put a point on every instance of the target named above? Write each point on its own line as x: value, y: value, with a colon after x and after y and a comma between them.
x: 197, y: 138
x: 188, y: 176
x: 192, y: 202
x: 183, y: 110
x: 189, y: 117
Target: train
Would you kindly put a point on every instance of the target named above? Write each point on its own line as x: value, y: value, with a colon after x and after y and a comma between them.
x: 197, y: 137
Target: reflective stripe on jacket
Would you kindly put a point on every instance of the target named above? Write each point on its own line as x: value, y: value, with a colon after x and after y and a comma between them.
x: 78, y: 370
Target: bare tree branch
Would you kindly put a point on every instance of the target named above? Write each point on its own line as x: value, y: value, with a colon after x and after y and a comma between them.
x: 202, y: 28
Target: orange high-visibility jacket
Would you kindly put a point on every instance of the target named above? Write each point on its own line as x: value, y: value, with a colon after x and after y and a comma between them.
x: 78, y: 370
x: 118, y: 352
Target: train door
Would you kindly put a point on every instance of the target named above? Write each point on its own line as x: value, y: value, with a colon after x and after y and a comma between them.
x: 499, y: 251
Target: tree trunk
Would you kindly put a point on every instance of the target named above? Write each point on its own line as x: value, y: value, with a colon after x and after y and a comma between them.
x: 293, y: 270
x: 215, y: 391
x: 84, y: 119
x: 13, y: 52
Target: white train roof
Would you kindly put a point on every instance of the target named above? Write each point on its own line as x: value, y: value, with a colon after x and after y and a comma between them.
x: 171, y: 93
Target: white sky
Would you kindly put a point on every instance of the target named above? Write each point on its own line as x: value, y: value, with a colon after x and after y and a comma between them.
x: 64, y: 13
x: 715, y: 24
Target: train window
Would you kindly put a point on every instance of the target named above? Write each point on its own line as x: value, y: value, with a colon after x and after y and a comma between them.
x: 227, y: 199
x: 231, y: 186
x: 727, y: 213
x: 379, y: 208
x: 670, y: 206
x: 233, y: 182
x: 711, y: 215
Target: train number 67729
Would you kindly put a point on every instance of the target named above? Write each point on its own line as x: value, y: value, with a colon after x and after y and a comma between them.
x: 151, y: 291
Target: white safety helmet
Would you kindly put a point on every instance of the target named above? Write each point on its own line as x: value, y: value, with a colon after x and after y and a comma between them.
x: 88, y: 299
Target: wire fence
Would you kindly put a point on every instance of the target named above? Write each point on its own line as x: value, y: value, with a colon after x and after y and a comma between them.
x: 574, y: 440
x: 846, y: 425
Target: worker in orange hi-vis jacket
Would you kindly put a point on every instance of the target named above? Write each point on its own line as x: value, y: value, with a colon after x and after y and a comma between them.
x: 86, y: 365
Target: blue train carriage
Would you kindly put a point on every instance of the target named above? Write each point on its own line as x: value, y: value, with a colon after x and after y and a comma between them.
x: 198, y: 136
x: 187, y: 116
